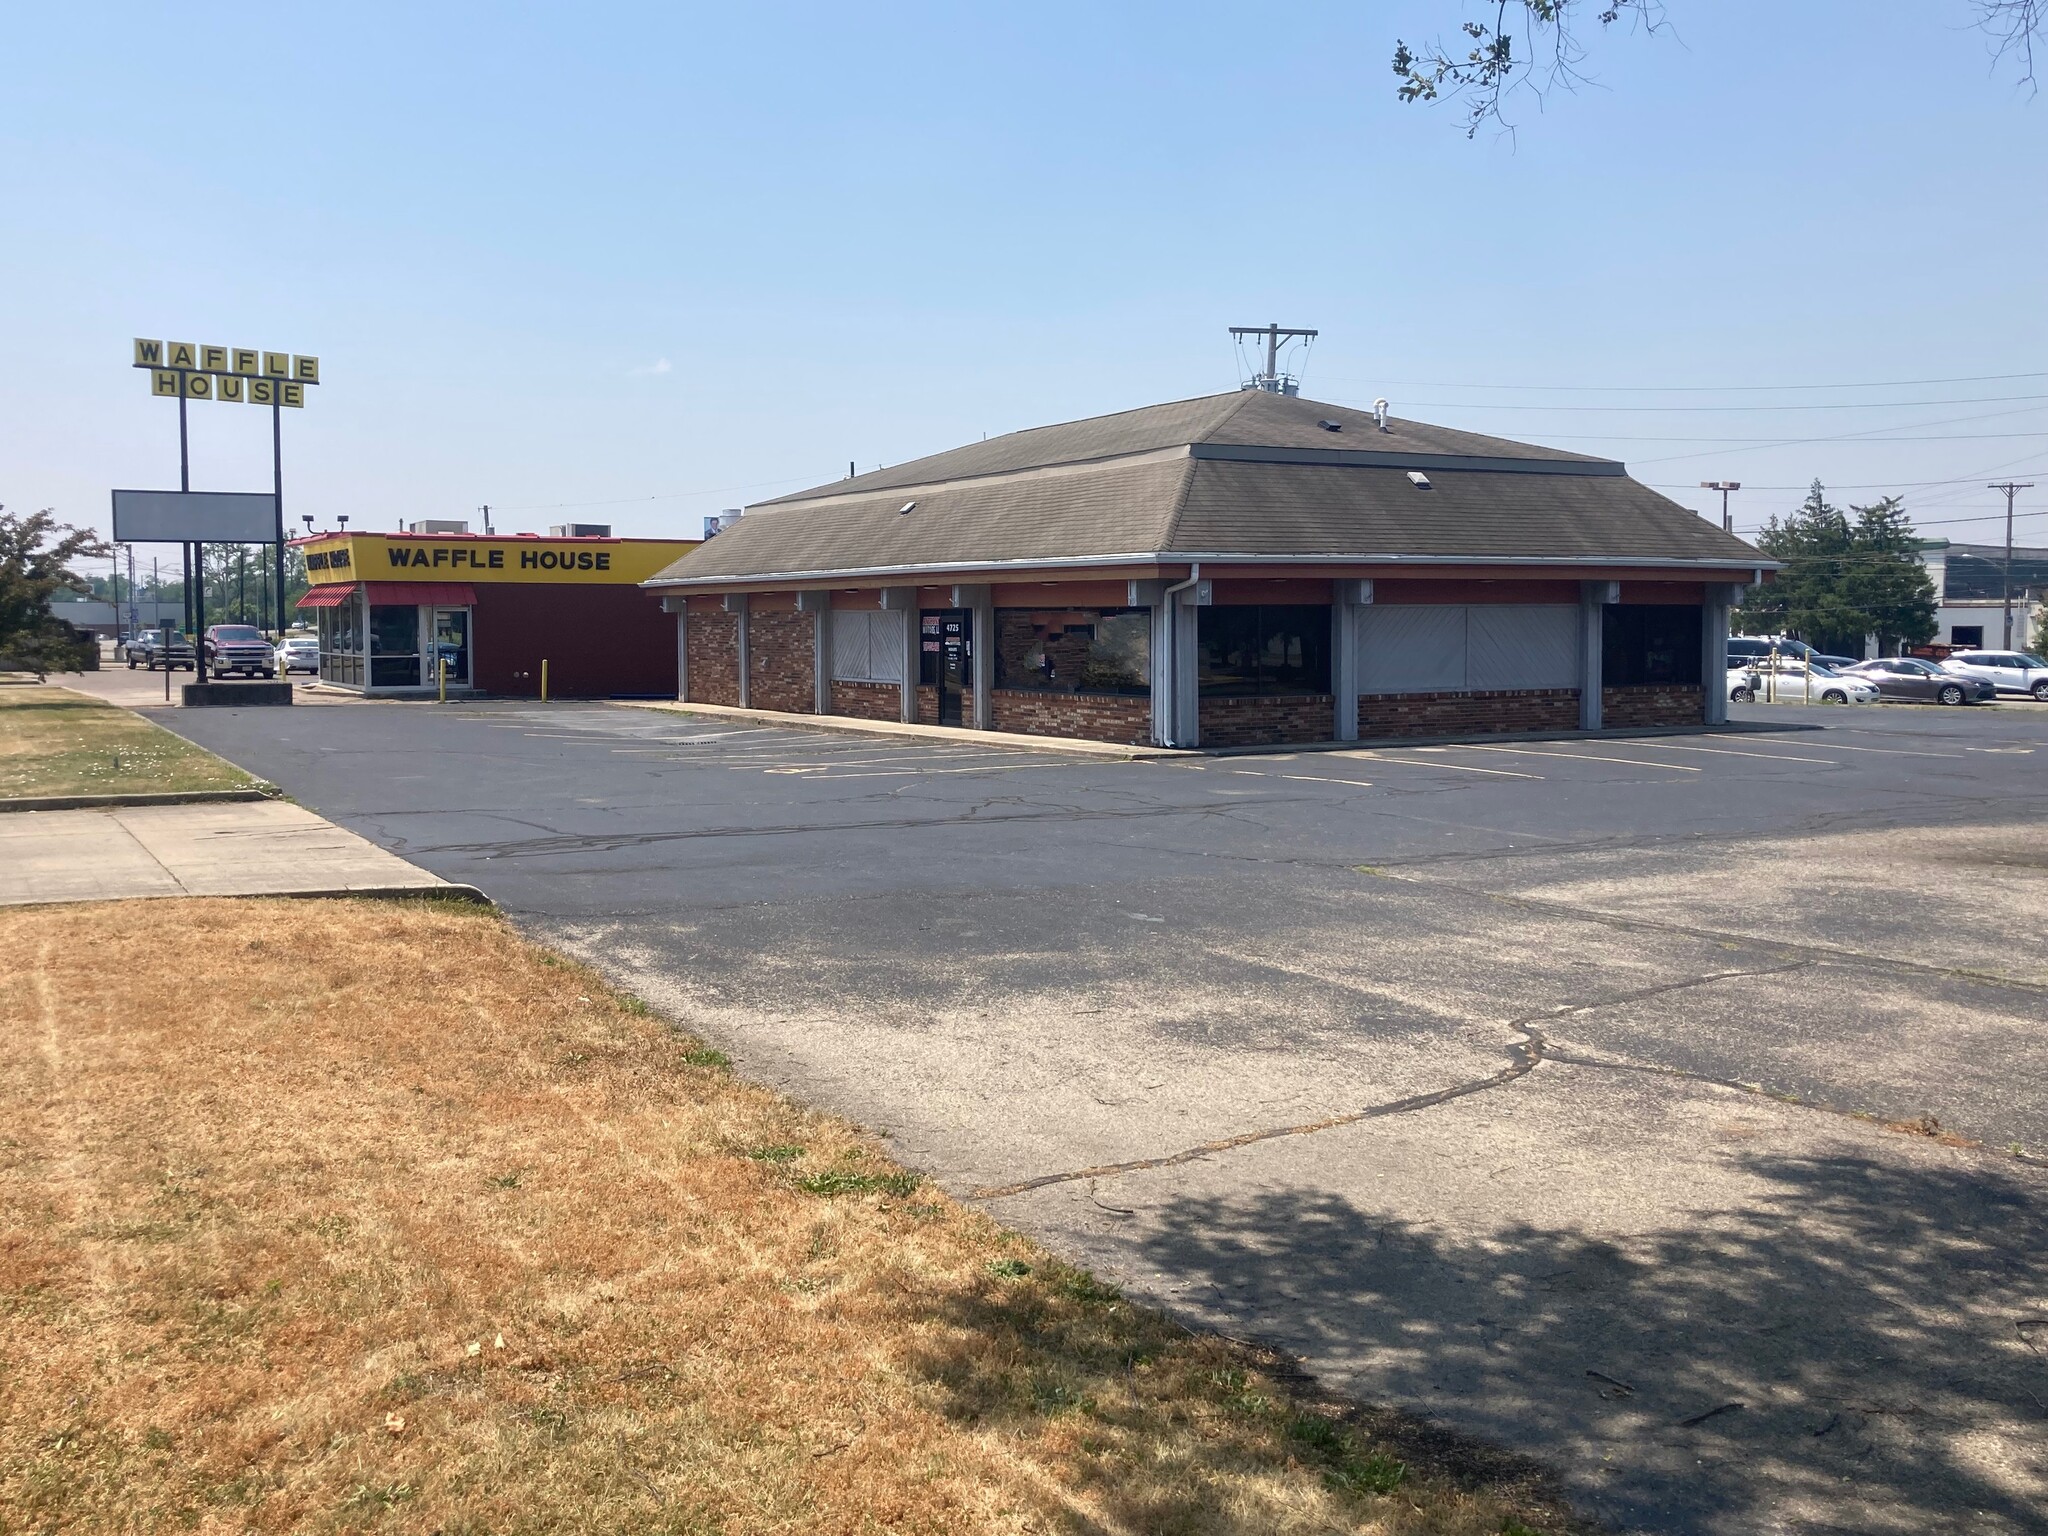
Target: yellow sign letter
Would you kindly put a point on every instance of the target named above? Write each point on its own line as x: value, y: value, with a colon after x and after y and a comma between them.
x: 246, y: 360
x: 306, y: 369
x: 148, y: 354
x: 183, y: 355
x: 164, y: 382
x: 278, y: 365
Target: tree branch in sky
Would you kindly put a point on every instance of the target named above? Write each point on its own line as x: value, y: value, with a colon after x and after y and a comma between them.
x: 1536, y: 46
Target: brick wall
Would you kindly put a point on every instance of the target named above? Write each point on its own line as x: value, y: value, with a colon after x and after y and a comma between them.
x: 1656, y: 704
x: 868, y: 701
x: 1468, y: 714
x: 780, y: 648
x: 1092, y: 716
x: 1255, y: 722
x: 928, y: 706
x: 711, y: 643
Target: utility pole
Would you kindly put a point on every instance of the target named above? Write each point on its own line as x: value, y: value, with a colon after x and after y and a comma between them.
x: 2011, y: 489
x: 1724, y: 487
x: 1272, y: 381
x: 486, y: 510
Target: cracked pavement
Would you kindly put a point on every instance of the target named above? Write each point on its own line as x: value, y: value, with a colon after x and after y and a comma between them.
x: 1542, y: 1089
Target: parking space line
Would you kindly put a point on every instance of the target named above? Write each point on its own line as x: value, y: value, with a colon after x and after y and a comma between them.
x: 1769, y: 757
x: 1843, y: 746
x: 1307, y: 778
x: 1402, y: 762
x: 1590, y: 757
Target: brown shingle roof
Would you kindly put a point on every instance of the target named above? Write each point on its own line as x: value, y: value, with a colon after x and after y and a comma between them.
x: 1248, y: 474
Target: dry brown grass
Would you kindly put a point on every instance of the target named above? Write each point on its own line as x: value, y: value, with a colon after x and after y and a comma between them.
x: 56, y: 742
x: 367, y: 1215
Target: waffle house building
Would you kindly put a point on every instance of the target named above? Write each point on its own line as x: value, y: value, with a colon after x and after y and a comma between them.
x: 393, y: 609
x: 1239, y: 569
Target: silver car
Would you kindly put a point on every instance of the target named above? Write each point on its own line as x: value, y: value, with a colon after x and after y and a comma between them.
x: 298, y: 653
x: 2007, y: 671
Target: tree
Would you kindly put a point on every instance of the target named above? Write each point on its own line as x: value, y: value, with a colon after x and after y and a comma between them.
x: 1841, y: 580
x: 1887, y: 581
x: 1493, y: 64
x: 35, y: 564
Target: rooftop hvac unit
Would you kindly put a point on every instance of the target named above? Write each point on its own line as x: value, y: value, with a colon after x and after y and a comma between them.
x: 580, y: 530
x: 438, y: 525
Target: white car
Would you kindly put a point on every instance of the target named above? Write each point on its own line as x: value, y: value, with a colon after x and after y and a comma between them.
x: 2007, y: 671
x: 298, y: 653
x: 1792, y: 682
x: 1744, y: 684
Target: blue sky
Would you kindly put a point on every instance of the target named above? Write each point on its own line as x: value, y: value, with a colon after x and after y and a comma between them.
x: 632, y: 264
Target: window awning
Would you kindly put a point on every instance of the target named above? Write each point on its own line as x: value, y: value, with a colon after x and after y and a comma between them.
x: 442, y: 594
x: 332, y: 595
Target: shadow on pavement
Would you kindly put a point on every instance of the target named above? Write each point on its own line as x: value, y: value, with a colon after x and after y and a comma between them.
x: 1884, y: 1331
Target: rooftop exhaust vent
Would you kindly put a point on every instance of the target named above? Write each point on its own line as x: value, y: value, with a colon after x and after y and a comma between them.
x: 1331, y: 426
x: 1379, y: 413
x: 1419, y: 480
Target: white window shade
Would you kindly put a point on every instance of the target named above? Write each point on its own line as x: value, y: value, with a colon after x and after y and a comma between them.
x: 867, y: 646
x: 1455, y: 648
x: 1411, y: 650
x: 1518, y: 645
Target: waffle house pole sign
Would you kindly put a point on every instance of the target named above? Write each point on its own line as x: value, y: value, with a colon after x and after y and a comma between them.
x: 243, y: 375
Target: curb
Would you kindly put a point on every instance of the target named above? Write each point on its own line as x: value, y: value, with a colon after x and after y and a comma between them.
x: 110, y: 802
x: 469, y: 895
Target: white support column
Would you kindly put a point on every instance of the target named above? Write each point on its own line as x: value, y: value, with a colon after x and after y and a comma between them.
x: 1593, y: 599
x: 819, y: 606
x: 1151, y: 595
x: 1347, y: 598
x: 1721, y: 596
x: 903, y: 600
x: 680, y: 607
x: 736, y: 605
x: 1187, y: 644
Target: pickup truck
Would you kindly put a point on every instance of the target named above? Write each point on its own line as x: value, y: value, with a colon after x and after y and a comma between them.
x: 239, y: 648
x: 164, y: 648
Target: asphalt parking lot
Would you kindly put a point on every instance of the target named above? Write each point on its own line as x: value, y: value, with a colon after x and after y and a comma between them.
x: 1540, y: 1088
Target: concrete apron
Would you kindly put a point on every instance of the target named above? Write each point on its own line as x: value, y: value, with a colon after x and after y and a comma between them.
x: 1081, y: 747
x: 235, y: 849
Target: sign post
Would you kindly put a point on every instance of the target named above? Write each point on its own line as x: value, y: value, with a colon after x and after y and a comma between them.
x: 185, y: 372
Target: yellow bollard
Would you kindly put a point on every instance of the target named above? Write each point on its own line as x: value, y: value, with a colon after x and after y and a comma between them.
x: 444, y: 679
x: 543, y: 679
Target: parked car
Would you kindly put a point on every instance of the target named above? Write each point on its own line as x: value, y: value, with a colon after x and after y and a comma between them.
x: 1750, y: 649
x: 165, y: 648
x: 1796, y: 682
x: 298, y: 653
x: 1743, y: 684
x: 2007, y: 671
x: 1839, y: 663
x: 1922, y: 682
x: 232, y: 648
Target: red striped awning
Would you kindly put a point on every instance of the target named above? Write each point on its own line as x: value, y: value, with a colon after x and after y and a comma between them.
x: 442, y: 594
x: 333, y: 595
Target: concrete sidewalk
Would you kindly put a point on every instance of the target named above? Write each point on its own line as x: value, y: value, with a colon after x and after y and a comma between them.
x: 261, y: 849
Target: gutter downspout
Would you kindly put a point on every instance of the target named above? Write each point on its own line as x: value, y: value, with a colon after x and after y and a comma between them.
x: 1176, y: 731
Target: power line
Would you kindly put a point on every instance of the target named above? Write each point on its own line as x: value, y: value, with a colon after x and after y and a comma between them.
x: 1839, y: 405
x: 1687, y: 389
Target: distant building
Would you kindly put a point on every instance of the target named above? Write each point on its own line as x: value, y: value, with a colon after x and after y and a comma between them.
x: 1968, y: 590
x: 110, y: 621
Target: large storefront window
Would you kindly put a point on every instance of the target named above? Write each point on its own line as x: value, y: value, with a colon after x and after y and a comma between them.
x: 341, y: 644
x: 1074, y: 650
x: 1644, y: 644
x: 1264, y: 650
x: 394, y: 646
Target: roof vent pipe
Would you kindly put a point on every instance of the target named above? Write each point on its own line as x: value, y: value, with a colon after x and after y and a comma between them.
x: 1379, y: 413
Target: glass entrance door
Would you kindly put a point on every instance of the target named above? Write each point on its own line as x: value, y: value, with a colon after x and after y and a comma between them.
x: 947, y: 649
x: 451, y: 644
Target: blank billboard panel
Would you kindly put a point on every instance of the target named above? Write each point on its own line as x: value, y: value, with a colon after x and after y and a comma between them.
x: 195, y: 517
